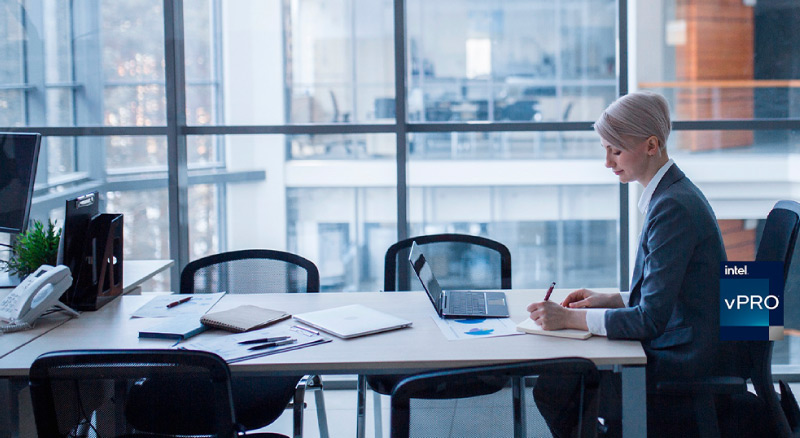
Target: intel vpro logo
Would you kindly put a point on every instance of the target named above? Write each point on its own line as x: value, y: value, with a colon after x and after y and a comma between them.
x: 751, y: 301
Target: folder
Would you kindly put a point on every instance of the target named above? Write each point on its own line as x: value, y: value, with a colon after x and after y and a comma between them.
x: 178, y: 328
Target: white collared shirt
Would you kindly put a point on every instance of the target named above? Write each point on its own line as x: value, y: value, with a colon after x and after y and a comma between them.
x: 596, y: 318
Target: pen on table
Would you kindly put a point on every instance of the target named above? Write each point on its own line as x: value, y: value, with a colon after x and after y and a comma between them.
x: 549, y: 291
x: 272, y: 344
x: 175, y: 303
x: 305, y: 329
x: 262, y: 340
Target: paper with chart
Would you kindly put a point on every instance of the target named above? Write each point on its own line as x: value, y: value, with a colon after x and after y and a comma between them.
x: 460, y: 329
x: 157, y: 307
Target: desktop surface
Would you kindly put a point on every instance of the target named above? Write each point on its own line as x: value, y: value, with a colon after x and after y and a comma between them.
x: 420, y: 347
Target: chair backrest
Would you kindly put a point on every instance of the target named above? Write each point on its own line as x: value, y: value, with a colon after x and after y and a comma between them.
x: 75, y: 390
x: 250, y: 271
x: 496, y: 410
x: 459, y: 261
x: 777, y: 244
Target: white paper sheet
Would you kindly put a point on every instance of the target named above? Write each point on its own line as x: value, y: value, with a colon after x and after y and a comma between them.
x: 157, y: 307
x: 461, y: 329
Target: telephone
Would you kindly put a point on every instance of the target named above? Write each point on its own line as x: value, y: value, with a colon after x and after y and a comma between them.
x: 35, y: 295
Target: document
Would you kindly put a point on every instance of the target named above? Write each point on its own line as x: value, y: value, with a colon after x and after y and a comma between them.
x: 162, y: 306
x: 473, y: 328
x: 244, y: 346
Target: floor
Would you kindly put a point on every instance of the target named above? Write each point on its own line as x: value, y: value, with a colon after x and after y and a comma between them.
x: 341, y: 409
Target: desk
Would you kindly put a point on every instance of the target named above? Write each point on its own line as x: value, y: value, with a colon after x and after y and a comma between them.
x: 422, y: 347
x: 135, y: 272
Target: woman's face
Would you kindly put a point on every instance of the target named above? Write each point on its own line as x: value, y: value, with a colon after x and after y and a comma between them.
x: 628, y: 164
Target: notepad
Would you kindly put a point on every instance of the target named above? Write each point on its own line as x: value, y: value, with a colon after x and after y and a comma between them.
x: 243, y: 318
x: 529, y: 326
x: 179, y: 327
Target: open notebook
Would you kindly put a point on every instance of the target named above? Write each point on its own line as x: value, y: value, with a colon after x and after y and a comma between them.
x: 528, y: 326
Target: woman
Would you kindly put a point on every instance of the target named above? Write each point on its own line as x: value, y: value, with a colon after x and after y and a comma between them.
x: 673, y: 304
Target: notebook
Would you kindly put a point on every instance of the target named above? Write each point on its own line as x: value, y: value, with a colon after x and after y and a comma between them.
x: 178, y: 327
x: 243, y: 318
x: 456, y: 303
x: 529, y: 326
x: 352, y: 321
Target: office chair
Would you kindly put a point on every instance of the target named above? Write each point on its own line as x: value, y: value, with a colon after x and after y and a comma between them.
x: 723, y: 406
x: 482, y: 406
x: 460, y: 261
x: 260, y: 401
x: 75, y: 393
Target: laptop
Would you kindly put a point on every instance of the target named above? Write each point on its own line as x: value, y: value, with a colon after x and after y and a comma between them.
x: 456, y: 303
x: 352, y: 321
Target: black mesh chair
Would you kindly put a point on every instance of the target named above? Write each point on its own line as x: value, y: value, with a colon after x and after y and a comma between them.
x: 75, y: 393
x: 258, y: 401
x: 459, y: 261
x: 723, y: 406
x: 250, y: 271
x: 490, y: 401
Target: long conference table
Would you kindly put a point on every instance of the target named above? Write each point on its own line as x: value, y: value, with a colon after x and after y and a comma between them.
x: 419, y: 348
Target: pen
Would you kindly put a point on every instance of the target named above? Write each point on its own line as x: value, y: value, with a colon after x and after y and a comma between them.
x: 262, y: 340
x: 272, y: 344
x: 305, y: 329
x: 549, y: 291
x: 175, y: 303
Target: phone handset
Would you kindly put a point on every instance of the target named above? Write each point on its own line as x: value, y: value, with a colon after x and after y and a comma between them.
x: 35, y: 295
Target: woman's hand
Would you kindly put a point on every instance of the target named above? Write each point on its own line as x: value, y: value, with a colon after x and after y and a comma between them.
x: 585, y: 299
x: 551, y: 316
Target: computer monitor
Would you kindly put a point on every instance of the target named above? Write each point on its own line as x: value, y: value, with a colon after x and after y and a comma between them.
x: 19, y: 157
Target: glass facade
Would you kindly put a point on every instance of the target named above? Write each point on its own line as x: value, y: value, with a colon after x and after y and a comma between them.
x: 288, y: 113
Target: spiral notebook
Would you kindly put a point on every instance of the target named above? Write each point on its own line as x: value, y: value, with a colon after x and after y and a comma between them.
x: 243, y: 318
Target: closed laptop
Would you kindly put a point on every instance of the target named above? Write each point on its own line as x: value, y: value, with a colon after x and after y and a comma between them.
x: 352, y: 321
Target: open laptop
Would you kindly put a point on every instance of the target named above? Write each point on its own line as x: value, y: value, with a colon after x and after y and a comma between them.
x: 456, y: 303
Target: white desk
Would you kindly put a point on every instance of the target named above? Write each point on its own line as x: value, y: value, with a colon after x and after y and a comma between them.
x: 135, y: 272
x: 421, y: 347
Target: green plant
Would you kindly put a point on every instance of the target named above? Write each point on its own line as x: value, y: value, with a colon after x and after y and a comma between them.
x: 35, y: 247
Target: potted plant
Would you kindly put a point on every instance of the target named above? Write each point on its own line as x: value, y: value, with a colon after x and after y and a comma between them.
x: 35, y: 247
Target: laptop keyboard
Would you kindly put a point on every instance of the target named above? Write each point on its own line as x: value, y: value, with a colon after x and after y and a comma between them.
x: 467, y: 303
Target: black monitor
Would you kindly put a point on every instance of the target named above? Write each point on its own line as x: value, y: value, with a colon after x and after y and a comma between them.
x: 19, y: 156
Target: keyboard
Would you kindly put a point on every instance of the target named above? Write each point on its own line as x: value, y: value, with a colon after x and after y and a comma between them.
x: 467, y: 303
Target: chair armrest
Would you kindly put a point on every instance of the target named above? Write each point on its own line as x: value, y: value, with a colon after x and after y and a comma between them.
x: 717, y: 385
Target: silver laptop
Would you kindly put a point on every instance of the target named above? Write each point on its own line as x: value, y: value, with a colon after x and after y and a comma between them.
x: 352, y: 321
x: 456, y: 303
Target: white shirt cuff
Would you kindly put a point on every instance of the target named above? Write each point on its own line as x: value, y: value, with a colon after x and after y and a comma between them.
x: 626, y: 297
x: 596, y: 321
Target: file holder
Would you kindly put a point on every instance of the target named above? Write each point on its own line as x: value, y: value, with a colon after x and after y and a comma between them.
x: 99, y: 276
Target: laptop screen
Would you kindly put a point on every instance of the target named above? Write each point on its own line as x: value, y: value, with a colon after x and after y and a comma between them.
x: 423, y: 270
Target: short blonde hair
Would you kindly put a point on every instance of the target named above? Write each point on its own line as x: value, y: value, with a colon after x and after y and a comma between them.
x: 639, y: 115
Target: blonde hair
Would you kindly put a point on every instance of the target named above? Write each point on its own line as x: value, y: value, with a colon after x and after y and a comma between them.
x: 639, y: 115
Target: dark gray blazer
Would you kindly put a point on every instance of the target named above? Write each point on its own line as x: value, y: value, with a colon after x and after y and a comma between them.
x: 674, y: 302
